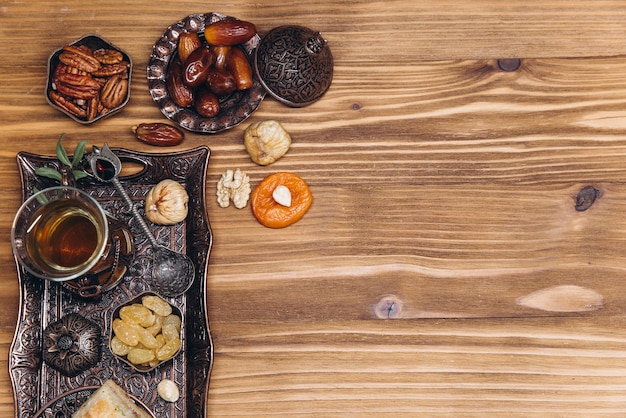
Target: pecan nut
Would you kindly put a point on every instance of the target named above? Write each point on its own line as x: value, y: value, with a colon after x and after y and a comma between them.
x: 80, y: 58
x: 113, y: 92
x: 75, y: 92
x: 107, y: 70
x: 84, y: 81
x: 67, y: 104
x: 108, y: 56
x: 92, y: 108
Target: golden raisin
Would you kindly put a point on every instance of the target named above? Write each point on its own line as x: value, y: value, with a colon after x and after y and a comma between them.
x: 140, y: 355
x: 271, y: 213
x: 168, y: 350
x: 157, y: 305
x: 127, y: 332
x: 118, y: 347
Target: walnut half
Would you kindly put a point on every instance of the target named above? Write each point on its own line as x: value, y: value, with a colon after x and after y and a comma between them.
x: 233, y: 186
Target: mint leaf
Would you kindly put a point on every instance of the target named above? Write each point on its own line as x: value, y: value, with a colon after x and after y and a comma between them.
x: 51, y: 173
x: 61, y: 153
x: 78, y: 153
x: 78, y: 174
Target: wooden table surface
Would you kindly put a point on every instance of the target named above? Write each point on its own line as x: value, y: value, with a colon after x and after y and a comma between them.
x: 444, y: 268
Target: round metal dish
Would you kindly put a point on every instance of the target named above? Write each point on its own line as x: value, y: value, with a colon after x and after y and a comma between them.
x: 235, y: 108
x: 294, y: 64
x: 68, y: 403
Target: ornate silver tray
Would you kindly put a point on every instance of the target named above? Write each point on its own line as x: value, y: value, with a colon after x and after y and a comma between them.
x: 37, y: 386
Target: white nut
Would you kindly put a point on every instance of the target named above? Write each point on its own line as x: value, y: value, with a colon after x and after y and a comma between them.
x: 233, y: 186
x: 168, y: 390
x: 282, y: 195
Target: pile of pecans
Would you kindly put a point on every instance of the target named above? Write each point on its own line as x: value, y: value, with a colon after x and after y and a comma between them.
x: 88, y: 84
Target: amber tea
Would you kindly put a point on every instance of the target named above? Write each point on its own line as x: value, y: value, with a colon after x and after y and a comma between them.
x: 60, y: 235
x: 63, y: 235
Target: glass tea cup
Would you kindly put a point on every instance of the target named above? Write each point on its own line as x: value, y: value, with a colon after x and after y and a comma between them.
x: 59, y: 233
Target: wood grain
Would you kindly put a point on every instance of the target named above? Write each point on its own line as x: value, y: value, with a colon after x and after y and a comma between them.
x: 444, y: 191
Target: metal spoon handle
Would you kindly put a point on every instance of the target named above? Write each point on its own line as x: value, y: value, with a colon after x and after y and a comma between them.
x: 134, y: 211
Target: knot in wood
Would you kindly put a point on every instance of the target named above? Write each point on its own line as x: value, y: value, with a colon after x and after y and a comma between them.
x: 509, y: 64
x: 586, y: 197
x: 389, y: 307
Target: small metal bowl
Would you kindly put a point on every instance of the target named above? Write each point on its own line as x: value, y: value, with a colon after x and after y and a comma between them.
x: 93, y: 42
x: 294, y: 64
x: 234, y: 108
x: 146, y: 367
x: 71, y: 345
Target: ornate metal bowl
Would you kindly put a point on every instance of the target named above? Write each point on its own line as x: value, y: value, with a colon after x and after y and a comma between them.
x: 93, y: 42
x: 146, y: 367
x: 72, y: 344
x: 294, y: 64
x: 234, y: 108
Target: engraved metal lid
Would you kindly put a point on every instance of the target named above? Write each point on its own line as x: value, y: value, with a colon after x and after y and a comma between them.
x: 72, y: 344
x: 294, y: 64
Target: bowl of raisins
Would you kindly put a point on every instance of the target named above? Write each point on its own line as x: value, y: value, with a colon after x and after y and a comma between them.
x: 146, y: 332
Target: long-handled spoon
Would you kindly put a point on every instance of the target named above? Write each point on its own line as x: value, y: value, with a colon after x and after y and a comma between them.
x: 172, y: 272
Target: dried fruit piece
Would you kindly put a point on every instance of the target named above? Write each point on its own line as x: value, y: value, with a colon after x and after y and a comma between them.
x: 180, y: 93
x: 126, y: 332
x: 206, y: 103
x: 187, y: 43
x: 155, y: 328
x: 221, y: 82
x: 196, y: 67
x: 159, y: 134
x: 167, y: 204
x: 172, y: 319
x: 140, y: 355
x: 118, y: 347
x: 169, y: 349
x: 229, y: 32
x: 135, y: 313
x: 220, y: 52
x: 239, y: 66
x: 271, y: 213
x: 266, y: 141
x: 157, y: 305
x: 170, y: 332
x: 145, y: 338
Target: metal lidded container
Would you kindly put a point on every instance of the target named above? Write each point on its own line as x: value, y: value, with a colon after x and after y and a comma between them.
x: 294, y: 64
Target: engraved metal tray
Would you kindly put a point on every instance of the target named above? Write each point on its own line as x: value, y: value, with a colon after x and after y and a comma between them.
x: 35, y: 384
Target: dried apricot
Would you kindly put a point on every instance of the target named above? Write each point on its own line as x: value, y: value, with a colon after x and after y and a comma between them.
x: 269, y: 212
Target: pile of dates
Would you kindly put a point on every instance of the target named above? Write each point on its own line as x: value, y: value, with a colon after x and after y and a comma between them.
x: 203, y: 71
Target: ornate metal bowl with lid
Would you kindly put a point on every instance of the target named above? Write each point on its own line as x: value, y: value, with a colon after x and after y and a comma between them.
x: 294, y: 64
x: 72, y: 344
